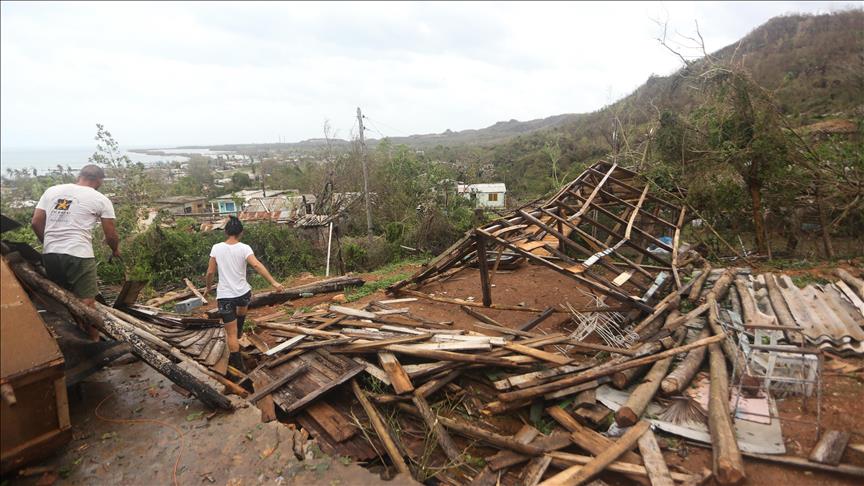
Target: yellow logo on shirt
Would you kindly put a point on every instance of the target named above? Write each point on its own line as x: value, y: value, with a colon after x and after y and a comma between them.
x: 63, y: 204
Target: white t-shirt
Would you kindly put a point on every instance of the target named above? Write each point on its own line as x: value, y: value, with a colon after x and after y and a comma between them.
x: 72, y: 211
x: 231, y: 263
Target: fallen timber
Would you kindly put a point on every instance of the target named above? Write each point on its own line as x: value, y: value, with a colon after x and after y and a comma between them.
x: 601, y: 371
x: 324, y: 286
x: 110, y: 327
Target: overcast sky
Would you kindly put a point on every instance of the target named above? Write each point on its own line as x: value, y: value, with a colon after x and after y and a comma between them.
x: 161, y: 74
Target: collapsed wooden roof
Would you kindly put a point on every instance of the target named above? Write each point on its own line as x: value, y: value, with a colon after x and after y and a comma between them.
x: 605, y: 230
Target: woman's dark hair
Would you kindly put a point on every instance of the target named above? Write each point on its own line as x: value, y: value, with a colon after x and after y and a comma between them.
x: 233, y: 227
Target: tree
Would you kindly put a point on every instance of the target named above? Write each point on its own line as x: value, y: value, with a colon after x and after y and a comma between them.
x: 130, y: 181
x: 554, y: 154
x: 241, y: 180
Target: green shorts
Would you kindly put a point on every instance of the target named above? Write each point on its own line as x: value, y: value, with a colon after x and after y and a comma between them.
x: 72, y: 273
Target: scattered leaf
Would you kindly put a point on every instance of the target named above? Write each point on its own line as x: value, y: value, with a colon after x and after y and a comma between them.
x: 194, y: 416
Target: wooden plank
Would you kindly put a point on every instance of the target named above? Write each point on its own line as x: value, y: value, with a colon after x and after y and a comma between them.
x: 337, y: 426
x: 265, y: 404
x: 525, y: 435
x: 373, y: 370
x: 398, y: 378
x: 275, y: 384
x: 539, y: 354
x: 373, y: 345
x: 290, y: 343
x: 348, y: 311
x: 535, y: 470
x: 449, y: 346
x: 555, y: 441
x: 658, y: 471
x: 829, y: 449
x: 576, y: 475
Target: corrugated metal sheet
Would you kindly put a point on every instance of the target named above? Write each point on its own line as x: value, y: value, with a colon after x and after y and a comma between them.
x: 828, y: 318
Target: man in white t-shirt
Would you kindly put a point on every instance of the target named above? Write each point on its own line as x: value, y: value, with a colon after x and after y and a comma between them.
x: 63, y: 221
x: 233, y: 292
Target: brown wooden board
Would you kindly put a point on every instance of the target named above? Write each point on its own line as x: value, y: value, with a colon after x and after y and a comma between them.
x: 325, y: 372
x: 357, y: 447
x: 336, y: 424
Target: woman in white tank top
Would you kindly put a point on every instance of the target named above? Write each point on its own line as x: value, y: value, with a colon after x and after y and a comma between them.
x: 233, y: 292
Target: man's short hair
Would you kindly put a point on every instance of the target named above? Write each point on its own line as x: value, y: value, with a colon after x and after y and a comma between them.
x: 92, y: 172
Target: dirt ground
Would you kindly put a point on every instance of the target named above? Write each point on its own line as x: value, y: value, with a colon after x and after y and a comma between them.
x: 126, y: 422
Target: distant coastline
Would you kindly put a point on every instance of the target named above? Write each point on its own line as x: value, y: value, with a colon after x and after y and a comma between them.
x: 45, y: 160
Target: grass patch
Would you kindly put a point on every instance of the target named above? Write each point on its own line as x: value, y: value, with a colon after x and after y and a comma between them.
x: 394, y: 266
x: 370, y: 288
x: 804, y: 280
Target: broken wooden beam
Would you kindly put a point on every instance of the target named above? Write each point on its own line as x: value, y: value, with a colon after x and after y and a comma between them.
x: 829, y: 449
x: 398, y: 378
x: 576, y: 475
x: 483, y: 266
x: 652, y: 457
x: 194, y: 290
x: 605, y: 370
x: 537, y: 320
x: 566, y: 459
x: 437, y: 430
x: 336, y: 284
x: 380, y: 429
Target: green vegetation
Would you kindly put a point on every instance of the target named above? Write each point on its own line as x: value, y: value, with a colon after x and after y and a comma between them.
x: 806, y: 279
x: 370, y: 288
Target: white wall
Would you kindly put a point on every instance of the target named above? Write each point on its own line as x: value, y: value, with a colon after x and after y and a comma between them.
x: 482, y: 199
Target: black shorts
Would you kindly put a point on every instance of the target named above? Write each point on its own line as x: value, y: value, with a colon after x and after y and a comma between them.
x: 228, y: 307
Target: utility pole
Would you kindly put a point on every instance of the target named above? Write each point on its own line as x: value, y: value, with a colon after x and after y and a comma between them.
x: 363, y: 160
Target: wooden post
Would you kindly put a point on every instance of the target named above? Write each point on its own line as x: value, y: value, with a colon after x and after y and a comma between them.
x: 642, y: 395
x: 680, y: 377
x: 728, y: 464
x: 483, y: 266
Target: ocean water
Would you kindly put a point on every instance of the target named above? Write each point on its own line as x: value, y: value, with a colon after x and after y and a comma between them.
x: 44, y: 160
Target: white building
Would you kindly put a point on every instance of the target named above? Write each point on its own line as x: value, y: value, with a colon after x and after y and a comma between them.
x: 484, y: 195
